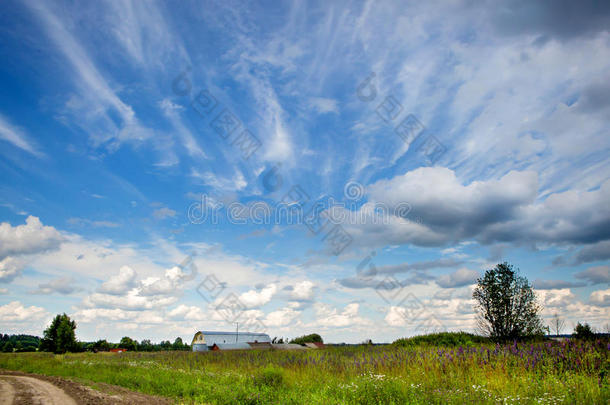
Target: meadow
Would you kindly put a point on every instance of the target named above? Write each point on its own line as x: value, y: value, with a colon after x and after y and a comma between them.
x: 571, y: 372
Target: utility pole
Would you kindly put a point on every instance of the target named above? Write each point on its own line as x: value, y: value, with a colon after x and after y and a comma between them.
x: 237, y: 333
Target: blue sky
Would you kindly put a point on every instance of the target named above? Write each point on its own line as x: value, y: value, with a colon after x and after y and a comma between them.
x: 479, y: 133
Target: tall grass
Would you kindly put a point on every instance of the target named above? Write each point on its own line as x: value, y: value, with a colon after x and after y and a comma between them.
x: 566, y: 372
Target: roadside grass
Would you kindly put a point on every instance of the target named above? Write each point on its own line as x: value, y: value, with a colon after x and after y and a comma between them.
x: 537, y: 373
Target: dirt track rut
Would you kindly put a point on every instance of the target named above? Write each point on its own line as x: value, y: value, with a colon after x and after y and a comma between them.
x: 18, y: 388
x: 28, y: 390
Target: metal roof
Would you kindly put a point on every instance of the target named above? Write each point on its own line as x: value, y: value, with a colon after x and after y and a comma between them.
x: 233, y: 346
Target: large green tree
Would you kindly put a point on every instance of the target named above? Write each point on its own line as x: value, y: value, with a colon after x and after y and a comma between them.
x: 506, y: 304
x: 60, y: 337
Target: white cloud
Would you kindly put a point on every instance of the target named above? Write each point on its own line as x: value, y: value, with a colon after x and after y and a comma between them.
x: 10, y: 268
x: 19, y: 243
x: 31, y: 238
x: 503, y: 210
x: 63, y: 285
x: 120, y: 283
x: 600, y: 298
x: 328, y: 316
x: 281, y: 317
x: 164, y: 212
x: 254, y: 299
x: 323, y: 105
x: 16, y: 136
x: 396, y: 316
x: 97, y: 102
x: 168, y: 284
x: 95, y: 315
x: 188, y: 313
x: 237, y: 183
x: 130, y: 301
x: 15, y: 311
x: 303, y: 291
x: 559, y: 298
x: 458, y: 278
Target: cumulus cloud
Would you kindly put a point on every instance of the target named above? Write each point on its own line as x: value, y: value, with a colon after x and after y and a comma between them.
x: 330, y: 317
x: 132, y: 300
x: 303, y: 291
x: 15, y: 311
x: 120, y: 283
x: 23, y: 240
x: 458, y: 278
x: 141, y: 318
x: 503, y: 210
x: 255, y: 299
x: 396, y: 316
x: 168, y: 284
x: 600, y: 298
x: 33, y: 237
x: 559, y: 298
x: 281, y: 317
x: 124, y: 291
x: 10, y: 268
x: 187, y: 313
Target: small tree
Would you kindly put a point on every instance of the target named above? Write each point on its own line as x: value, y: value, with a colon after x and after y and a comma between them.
x: 146, y: 345
x: 178, y: 345
x: 128, y: 343
x: 583, y: 331
x: 60, y: 337
x: 8, y: 347
x: 101, y: 345
x: 506, y: 304
x: 557, y: 323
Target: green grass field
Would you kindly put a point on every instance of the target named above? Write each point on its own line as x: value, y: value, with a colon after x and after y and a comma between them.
x: 539, y: 373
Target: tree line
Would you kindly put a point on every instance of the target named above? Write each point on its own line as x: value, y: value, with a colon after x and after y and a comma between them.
x: 60, y: 337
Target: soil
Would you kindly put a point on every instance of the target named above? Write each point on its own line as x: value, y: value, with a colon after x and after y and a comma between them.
x: 32, y: 389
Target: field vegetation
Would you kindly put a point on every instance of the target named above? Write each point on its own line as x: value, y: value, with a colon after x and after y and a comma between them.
x: 461, y: 372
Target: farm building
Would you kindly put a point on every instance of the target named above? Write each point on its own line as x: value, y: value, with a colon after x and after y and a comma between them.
x: 288, y: 346
x: 204, y: 340
x: 315, y: 345
x: 230, y: 346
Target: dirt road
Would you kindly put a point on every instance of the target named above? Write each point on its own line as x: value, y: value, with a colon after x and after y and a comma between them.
x: 29, y: 389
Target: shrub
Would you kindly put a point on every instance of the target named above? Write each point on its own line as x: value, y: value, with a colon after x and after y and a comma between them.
x: 442, y: 339
x: 583, y: 331
x: 269, y: 376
